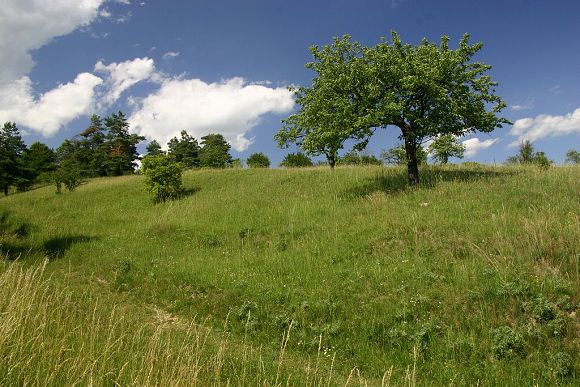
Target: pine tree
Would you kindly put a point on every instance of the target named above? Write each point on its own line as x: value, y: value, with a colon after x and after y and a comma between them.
x: 11, y: 149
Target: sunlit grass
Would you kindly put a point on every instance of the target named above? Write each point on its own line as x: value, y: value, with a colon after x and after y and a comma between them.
x: 365, y: 271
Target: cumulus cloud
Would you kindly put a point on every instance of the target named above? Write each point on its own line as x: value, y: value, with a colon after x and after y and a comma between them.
x: 545, y: 125
x: 53, y: 109
x: 231, y: 107
x: 474, y: 145
x: 170, y: 54
x: 121, y: 76
x: 26, y: 25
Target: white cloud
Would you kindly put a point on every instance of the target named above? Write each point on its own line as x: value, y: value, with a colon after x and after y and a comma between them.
x: 517, y: 108
x: 545, y: 125
x: 126, y: 2
x: 26, y: 25
x: 170, y: 54
x: 231, y: 107
x: 121, y: 76
x: 474, y: 145
x: 53, y: 109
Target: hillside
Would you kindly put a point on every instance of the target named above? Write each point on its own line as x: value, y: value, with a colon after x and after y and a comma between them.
x: 474, y: 277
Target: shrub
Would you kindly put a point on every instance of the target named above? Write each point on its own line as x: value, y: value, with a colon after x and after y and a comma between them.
x: 296, y: 160
x: 357, y: 158
x: 258, y: 160
x: 68, y: 174
x: 162, y: 177
x: 507, y: 343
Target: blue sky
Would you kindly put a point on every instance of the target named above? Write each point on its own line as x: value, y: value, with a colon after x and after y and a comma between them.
x: 223, y: 66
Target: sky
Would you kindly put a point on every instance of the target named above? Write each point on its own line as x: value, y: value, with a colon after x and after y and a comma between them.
x: 210, y: 66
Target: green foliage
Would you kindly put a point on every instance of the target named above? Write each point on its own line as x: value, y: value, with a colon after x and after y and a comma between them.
x: 398, y: 156
x: 446, y: 146
x: 296, y: 160
x: 121, y: 146
x: 11, y: 149
x: 527, y: 155
x: 215, y: 152
x: 185, y: 150
x: 102, y: 150
x: 426, y: 90
x: 40, y: 158
x: 67, y: 174
x: 573, y: 156
x: 507, y: 343
x: 154, y: 149
x: 258, y: 160
x: 329, y: 109
x: 162, y: 177
x: 358, y: 158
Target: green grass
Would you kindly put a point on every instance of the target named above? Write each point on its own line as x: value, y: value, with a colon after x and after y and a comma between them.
x: 473, y: 277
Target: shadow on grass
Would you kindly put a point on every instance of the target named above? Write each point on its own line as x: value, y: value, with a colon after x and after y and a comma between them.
x: 56, y: 247
x: 186, y: 192
x: 393, y: 182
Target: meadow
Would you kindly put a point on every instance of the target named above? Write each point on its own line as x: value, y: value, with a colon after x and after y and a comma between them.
x: 296, y: 276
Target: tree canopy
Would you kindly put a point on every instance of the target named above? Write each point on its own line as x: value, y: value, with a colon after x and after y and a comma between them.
x: 258, y: 160
x: 446, y: 146
x: 215, y: 152
x: 425, y: 90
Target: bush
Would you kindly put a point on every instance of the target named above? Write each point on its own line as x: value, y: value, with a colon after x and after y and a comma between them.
x: 162, y: 177
x: 357, y: 158
x: 507, y: 343
x: 258, y: 160
x: 296, y: 160
x: 68, y: 174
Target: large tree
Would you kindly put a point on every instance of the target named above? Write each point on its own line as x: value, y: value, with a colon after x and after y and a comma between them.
x: 331, y: 108
x: 122, y: 145
x: 426, y: 91
x: 11, y: 149
x: 430, y: 90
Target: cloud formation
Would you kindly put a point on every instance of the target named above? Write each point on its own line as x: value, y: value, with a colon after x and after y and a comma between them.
x: 121, y: 76
x: 231, y: 107
x: 474, y: 145
x: 26, y: 25
x: 170, y: 54
x: 545, y: 125
x: 53, y: 109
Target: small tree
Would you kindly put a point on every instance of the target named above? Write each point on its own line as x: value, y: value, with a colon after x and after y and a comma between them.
x: 527, y: 155
x: 162, y: 177
x: 69, y: 174
x: 573, y: 157
x: 446, y: 146
x: 258, y: 160
x: 358, y: 158
x: 184, y: 150
x: 154, y: 149
x: 296, y: 160
x: 398, y: 156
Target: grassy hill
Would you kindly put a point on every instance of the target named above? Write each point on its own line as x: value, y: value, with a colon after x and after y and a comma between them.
x: 303, y: 276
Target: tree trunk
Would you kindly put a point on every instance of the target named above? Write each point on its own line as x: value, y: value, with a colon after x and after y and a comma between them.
x: 331, y: 157
x: 412, y: 165
x: 5, y: 189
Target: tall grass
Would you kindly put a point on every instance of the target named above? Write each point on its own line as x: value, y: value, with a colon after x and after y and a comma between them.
x: 50, y: 337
